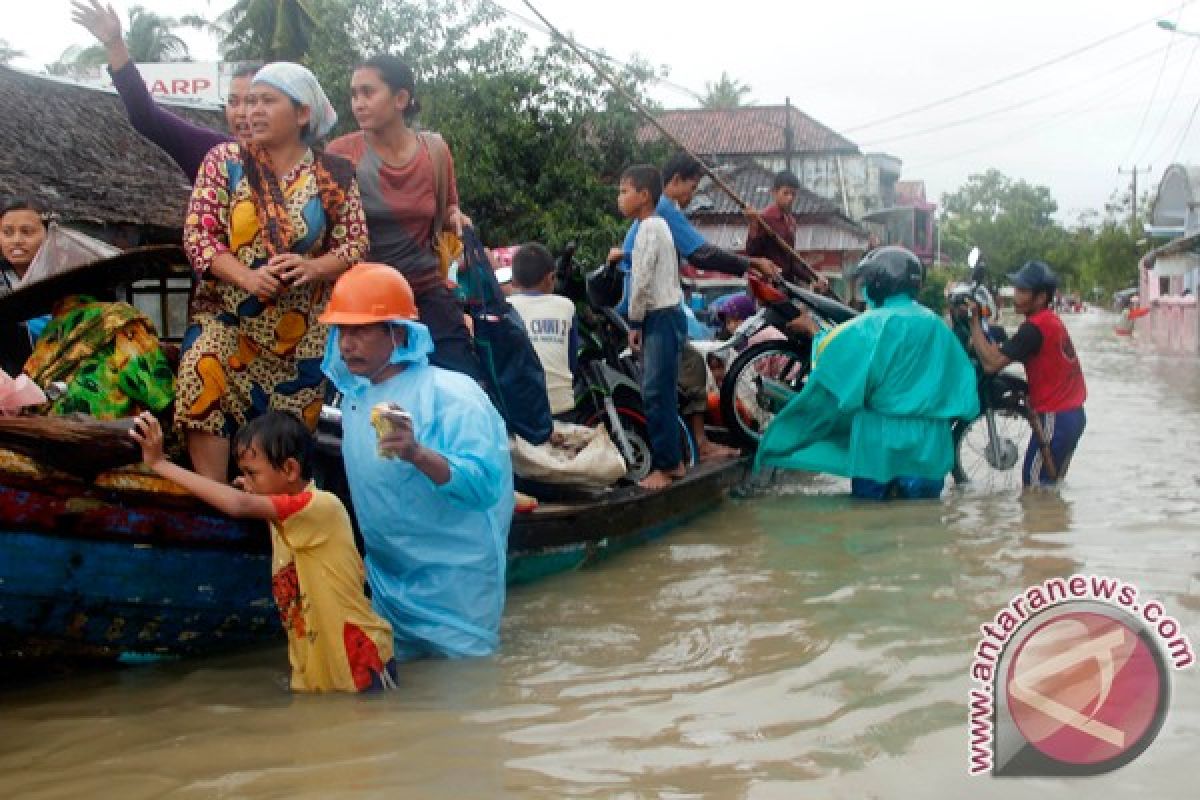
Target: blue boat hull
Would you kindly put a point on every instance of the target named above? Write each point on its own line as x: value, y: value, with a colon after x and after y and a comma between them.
x: 91, y: 573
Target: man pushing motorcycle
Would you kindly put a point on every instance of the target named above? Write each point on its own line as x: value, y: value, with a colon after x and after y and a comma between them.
x: 1056, y: 387
x: 883, y: 394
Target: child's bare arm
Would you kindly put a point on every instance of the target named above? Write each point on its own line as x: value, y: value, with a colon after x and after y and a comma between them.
x: 234, y: 502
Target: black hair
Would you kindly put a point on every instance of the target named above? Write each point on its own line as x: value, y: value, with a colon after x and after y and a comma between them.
x: 683, y: 165
x: 397, y: 75
x: 531, y: 264
x: 246, y: 69
x: 785, y: 179
x: 279, y: 436
x: 22, y: 202
x: 645, y: 178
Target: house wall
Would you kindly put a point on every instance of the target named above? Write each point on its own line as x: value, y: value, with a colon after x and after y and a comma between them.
x: 1173, y: 324
x: 866, y: 181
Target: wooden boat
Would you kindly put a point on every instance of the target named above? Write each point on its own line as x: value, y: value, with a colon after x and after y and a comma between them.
x: 104, y: 562
x: 126, y: 564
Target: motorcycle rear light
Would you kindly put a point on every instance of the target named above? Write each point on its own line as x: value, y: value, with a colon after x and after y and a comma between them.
x: 765, y: 293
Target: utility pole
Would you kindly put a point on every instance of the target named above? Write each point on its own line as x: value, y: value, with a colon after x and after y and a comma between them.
x: 1134, y: 214
x: 789, y: 136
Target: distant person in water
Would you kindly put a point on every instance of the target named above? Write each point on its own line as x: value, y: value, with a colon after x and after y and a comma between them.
x: 336, y: 642
x: 185, y: 142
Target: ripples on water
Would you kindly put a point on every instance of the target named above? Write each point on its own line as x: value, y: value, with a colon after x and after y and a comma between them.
x: 798, y: 644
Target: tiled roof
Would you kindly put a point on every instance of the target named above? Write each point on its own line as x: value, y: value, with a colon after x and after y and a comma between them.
x: 747, y: 131
x: 752, y: 183
x: 821, y: 224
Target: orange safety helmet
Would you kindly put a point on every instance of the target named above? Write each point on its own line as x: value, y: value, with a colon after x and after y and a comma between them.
x: 368, y: 293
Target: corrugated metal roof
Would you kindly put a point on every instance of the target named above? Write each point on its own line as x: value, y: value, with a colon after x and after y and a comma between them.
x: 747, y: 131
x: 753, y: 184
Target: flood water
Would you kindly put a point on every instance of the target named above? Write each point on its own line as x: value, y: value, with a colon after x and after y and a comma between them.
x: 793, y: 645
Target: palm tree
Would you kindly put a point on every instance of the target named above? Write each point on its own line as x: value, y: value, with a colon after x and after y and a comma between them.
x: 725, y: 93
x: 150, y: 38
x: 8, y: 52
x: 269, y: 30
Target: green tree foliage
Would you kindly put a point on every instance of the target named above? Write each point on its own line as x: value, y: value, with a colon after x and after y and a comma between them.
x: 150, y: 37
x: 538, y: 140
x: 1010, y: 221
x: 1013, y: 222
x: 270, y: 30
x: 726, y: 93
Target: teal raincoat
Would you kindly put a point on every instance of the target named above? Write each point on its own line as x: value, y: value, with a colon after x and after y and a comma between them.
x: 884, y: 391
x: 435, y: 554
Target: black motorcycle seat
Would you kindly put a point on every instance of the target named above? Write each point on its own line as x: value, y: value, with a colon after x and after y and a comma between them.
x: 825, y: 306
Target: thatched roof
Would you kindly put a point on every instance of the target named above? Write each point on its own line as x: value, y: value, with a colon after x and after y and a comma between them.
x: 73, y: 146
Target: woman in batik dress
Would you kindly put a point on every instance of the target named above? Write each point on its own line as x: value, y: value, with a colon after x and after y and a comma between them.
x: 269, y: 229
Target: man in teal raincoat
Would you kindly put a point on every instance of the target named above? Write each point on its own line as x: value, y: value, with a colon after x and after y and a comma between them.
x: 433, y: 492
x: 884, y: 391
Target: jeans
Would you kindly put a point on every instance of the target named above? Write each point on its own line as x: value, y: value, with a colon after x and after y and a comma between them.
x: 663, y: 333
x: 908, y: 488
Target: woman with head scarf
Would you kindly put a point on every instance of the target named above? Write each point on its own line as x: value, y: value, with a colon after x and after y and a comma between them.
x: 410, y: 196
x: 270, y: 227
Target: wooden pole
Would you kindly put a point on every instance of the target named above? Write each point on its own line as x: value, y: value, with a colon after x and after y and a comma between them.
x: 750, y: 212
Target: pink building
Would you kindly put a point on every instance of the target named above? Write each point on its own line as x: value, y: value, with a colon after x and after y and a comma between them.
x: 1170, y: 274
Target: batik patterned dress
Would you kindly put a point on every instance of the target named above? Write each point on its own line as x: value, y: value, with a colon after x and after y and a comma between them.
x: 108, y: 356
x: 242, y: 355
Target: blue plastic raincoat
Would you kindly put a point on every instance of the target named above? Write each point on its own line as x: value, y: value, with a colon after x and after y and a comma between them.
x: 884, y: 391
x: 435, y: 554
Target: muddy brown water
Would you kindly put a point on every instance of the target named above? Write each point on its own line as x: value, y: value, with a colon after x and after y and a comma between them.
x: 797, y: 644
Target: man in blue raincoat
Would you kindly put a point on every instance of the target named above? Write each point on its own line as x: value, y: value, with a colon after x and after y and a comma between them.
x: 884, y: 391
x: 431, y: 478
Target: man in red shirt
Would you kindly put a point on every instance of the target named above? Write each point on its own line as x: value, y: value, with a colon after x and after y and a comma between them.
x: 779, y: 218
x: 1056, y: 387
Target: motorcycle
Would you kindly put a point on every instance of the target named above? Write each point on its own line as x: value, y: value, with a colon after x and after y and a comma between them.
x: 772, y: 361
x: 987, y: 448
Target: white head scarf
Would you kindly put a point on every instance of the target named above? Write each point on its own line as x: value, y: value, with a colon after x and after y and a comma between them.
x: 301, y: 85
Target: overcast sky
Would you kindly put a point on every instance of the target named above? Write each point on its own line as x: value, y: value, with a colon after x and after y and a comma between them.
x: 1070, y: 125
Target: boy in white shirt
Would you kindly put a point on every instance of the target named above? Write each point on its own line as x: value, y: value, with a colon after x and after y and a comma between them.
x: 549, y: 321
x: 658, y: 326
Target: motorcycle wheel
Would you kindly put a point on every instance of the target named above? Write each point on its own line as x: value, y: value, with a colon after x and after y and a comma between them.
x: 990, y: 469
x: 745, y: 406
x: 634, y: 426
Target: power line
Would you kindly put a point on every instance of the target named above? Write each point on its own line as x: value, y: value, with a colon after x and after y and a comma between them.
x: 1103, y: 99
x: 1154, y: 92
x: 1186, y: 129
x: 1012, y: 76
x: 534, y: 25
x: 1174, y: 96
x: 1014, y: 106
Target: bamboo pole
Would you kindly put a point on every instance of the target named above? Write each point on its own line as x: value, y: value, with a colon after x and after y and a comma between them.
x: 749, y: 211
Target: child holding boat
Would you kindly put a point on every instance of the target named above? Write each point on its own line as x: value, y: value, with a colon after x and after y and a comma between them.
x: 336, y: 642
